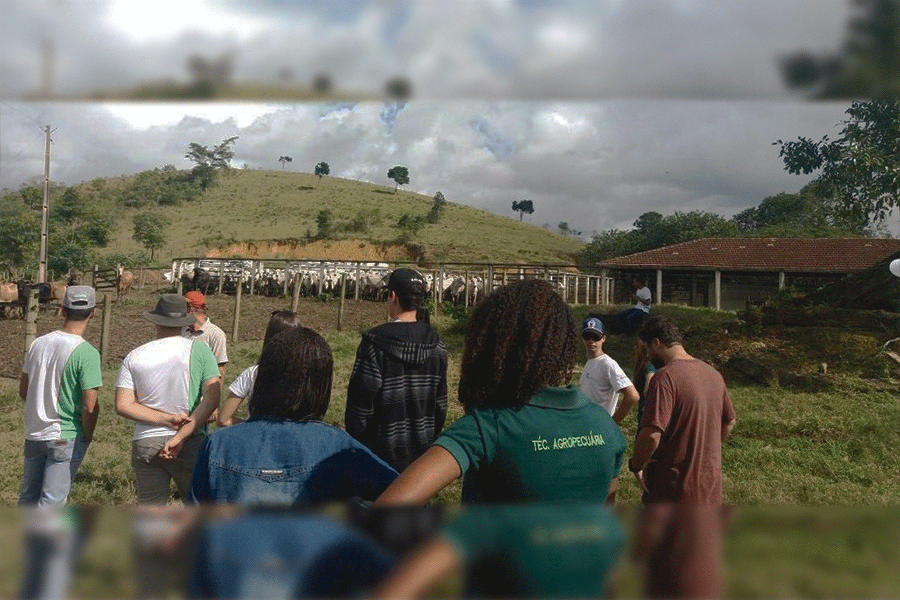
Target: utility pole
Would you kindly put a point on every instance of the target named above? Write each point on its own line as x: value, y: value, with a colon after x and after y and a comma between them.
x: 45, y: 210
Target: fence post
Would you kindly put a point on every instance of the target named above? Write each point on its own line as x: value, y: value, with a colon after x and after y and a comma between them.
x: 295, y: 302
x: 173, y: 271
x: 287, y: 278
x: 221, y: 273
x: 437, y: 306
x: 340, y: 320
x: 490, y: 277
x: 262, y: 270
x: 237, y: 311
x: 104, y: 331
x: 94, y: 276
x: 466, y: 289
x: 141, y: 280
x: 31, y: 314
x: 252, y: 276
x: 321, y: 278
x: 356, y: 289
x: 180, y: 287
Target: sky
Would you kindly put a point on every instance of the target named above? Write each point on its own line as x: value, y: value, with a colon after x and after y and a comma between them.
x: 597, y: 111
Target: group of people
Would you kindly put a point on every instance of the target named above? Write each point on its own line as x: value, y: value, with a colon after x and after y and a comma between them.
x: 527, y: 436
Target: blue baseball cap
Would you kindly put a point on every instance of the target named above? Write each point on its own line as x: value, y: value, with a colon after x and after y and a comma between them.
x: 592, y: 324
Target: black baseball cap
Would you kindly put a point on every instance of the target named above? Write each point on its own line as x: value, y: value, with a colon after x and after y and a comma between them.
x: 407, y: 283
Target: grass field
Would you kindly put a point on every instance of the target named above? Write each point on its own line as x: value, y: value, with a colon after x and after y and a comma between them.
x: 814, y: 474
x: 276, y: 205
x: 791, y: 448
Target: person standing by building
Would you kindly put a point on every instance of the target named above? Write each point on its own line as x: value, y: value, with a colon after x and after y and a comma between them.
x: 397, y: 395
x: 678, y: 452
x: 205, y: 330
x: 170, y: 387
x: 632, y: 318
x: 59, y: 385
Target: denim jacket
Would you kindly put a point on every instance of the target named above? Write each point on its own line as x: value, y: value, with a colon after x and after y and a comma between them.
x: 285, y: 556
x: 263, y: 461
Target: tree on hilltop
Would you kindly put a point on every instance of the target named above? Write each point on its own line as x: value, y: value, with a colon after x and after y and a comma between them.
x: 284, y: 159
x: 522, y: 207
x: 322, y: 169
x: 400, y: 175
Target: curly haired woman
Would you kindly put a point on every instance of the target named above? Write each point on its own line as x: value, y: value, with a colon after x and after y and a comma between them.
x: 523, y: 438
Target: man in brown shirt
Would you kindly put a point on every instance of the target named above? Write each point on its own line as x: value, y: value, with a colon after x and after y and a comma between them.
x: 678, y: 452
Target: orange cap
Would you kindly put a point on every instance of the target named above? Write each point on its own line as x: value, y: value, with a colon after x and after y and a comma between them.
x: 196, y: 300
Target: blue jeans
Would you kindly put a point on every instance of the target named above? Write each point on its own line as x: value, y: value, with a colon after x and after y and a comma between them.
x: 50, y: 467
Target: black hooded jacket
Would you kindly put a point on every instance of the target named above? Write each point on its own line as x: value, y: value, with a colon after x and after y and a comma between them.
x: 397, y: 396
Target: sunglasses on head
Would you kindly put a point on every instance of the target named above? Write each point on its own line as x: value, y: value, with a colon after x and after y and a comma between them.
x: 590, y: 336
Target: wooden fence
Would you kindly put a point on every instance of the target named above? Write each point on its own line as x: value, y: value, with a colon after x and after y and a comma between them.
x: 575, y: 286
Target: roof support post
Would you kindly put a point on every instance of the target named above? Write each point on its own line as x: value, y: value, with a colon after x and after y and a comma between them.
x: 694, y: 289
x: 659, y: 286
x: 781, y: 280
x: 718, y: 289
x: 604, y: 297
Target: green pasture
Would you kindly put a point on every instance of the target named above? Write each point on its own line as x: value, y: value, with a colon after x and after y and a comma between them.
x: 251, y: 205
x: 790, y: 448
x: 813, y: 475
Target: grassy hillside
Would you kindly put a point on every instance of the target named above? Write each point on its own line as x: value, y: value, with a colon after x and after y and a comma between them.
x: 259, y: 206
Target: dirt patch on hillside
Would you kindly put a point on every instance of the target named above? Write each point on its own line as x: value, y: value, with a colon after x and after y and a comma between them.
x: 317, y: 250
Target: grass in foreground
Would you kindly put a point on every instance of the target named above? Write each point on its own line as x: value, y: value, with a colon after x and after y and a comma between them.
x: 832, y: 447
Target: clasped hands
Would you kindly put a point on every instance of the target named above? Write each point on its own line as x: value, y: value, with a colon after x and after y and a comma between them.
x: 172, y: 447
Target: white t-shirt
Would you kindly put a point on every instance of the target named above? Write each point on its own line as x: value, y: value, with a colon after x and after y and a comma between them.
x: 164, y: 377
x: 601, y: 381
x: 643, y: 294
x: 242, y: 387
x: 59, y: 367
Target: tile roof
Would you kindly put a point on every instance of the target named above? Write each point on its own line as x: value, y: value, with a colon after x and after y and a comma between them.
x: 792, y: 255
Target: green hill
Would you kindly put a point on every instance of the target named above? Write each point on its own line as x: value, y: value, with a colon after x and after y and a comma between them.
x: 271, y: 214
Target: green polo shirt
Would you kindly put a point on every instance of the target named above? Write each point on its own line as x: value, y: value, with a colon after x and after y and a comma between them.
x: 536, y: 550
x: 559, y: 446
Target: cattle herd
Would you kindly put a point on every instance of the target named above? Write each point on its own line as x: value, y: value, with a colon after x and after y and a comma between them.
x: 363, y: 281
x: 14, y: 295
x: 360, y: 281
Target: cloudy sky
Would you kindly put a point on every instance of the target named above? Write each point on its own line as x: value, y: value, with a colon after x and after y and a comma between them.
x: 597, y: 111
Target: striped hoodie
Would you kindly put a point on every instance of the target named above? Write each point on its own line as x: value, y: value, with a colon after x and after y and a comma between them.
x: 397, y: 396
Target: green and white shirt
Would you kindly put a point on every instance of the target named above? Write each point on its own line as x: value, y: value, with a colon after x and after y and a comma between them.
x: 167, y: 375
x: 59, y: 367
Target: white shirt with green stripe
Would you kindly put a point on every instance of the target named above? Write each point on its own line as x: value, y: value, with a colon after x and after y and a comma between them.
x: 167, y: 375
x: 59, y: 367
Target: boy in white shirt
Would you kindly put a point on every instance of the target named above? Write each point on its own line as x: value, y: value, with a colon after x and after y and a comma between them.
x: 602, y: 378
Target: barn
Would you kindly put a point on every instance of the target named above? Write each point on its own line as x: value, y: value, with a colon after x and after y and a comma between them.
x: 726, y: 273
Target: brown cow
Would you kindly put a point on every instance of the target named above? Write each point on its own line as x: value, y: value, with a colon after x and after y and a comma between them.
x: 124, y: 281
x: 9, y: 292
x: 58, y: 291
x: 9, y: 301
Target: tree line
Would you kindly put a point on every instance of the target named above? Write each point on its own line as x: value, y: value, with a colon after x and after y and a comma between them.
x: 855, y: 189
